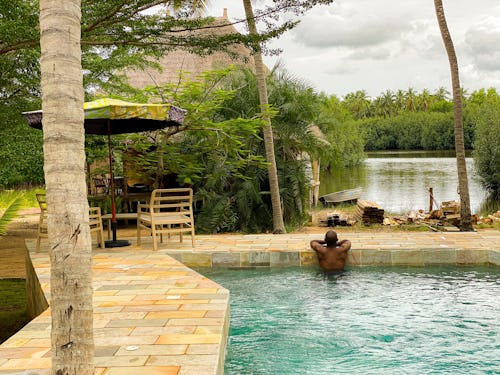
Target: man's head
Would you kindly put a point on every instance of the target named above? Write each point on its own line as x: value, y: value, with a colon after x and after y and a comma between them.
x: 331, y: 238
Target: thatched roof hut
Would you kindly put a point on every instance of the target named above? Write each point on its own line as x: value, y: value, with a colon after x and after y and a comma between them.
x: 179, y: 60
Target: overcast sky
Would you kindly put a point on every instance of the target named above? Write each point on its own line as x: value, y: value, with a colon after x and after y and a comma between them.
x: 375, y: 45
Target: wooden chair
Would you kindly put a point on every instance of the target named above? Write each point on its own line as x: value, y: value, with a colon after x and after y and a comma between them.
x: 95, y: 222
x: 42, y: 221
x: 101, y: 185
x: 169, y: 211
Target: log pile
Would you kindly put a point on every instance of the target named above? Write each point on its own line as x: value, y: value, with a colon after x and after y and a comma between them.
x: 369, y: 212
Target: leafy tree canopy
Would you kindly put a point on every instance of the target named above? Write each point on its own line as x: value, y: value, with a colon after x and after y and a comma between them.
x: 121, y: 34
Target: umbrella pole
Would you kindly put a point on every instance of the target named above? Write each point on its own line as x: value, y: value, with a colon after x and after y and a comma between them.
x: 114, y: 242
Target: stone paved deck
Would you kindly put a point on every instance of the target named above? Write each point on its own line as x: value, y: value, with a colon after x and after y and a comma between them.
x: 175, y: 320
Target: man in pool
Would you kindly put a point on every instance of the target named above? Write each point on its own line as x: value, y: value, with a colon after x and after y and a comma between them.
x: 331, y: 252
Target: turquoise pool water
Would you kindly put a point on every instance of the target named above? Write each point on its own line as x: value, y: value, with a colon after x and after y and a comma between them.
x: 366, y: 321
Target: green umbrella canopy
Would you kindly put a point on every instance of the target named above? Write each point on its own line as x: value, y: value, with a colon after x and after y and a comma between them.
x: 121, y: 116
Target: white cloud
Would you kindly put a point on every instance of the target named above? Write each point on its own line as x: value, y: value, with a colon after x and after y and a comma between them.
x: 344, y: 27
x: 482, y: 41
x: 375, y: 45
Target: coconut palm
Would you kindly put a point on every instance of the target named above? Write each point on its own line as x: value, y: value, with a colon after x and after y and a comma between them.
x: 463, y: 185
x: 64, y: 161
x: 278, y: 224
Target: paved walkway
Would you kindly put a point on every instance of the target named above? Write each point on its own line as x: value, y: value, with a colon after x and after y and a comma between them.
x: 153, y: 315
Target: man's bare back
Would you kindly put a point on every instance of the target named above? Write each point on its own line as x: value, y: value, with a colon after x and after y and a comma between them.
x: 332, y: 254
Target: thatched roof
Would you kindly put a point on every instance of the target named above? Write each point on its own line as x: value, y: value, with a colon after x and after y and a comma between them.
x: 179, y: 60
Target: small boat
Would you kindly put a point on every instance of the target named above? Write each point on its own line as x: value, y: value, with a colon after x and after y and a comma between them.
x: 349, y: 195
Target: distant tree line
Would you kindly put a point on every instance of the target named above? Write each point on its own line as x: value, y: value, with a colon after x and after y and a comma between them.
x: 409, y: 120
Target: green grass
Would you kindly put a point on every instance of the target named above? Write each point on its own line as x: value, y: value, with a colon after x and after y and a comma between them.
x: 13, y: 315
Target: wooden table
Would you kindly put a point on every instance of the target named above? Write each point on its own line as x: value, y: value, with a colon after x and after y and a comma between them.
x: 120, y: 216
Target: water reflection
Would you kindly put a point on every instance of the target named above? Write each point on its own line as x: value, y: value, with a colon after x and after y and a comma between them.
x: 399, y: 181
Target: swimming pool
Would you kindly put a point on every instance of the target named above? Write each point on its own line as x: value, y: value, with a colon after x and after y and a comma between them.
x: 433, y: 320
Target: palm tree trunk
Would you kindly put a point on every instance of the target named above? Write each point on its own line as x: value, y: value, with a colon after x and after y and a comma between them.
x: 278, y: 224
x: 67, y: 206
x: 463, y: 185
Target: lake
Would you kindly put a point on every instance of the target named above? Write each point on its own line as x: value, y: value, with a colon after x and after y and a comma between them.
x: 399, y: 181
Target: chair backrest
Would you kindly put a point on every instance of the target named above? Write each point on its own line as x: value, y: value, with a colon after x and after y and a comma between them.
x: 41, y: 198
x: 172, y: 200
x: 95, y: 220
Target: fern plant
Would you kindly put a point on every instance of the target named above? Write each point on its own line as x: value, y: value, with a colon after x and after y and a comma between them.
x: 13, y: 205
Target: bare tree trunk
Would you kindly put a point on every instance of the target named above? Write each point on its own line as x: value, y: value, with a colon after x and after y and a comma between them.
x: 278, y: 224
x: 463, y: 185
x: 64, y: 166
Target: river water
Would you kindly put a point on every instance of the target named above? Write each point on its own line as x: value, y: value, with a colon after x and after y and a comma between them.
x: 399, y: 181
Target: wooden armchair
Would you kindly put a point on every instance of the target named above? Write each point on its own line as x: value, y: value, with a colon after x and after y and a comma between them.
x: 95, y: 222
x: 169, y: 211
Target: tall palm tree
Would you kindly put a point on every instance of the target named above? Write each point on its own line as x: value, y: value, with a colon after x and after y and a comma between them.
x: 278, y: 224
x: 463, y: 185
x: 64, y: 165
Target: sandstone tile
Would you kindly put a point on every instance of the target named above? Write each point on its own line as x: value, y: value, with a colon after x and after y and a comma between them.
x: 156, y: 350
x: 196, y: 322
x: 225, y: 259
x: 155, y: 307
x: 137, y: 323
x: 175, y: 314
x: 407, y: 257
x: 494, y: 257
x: 24, y: 352
x: 196, y: 260
x: 106, y: 332
x: 375, y: 257
x: 259, y: 258
x: 189, y: 339
x: 354, y: 257
x: 440, y: 256
x: 472, y: 256
x: 183, y: 360
x: 192, y: 291
x: 147, y: 370
x: 202, y: 349
x: 106, y: 351
x: 120, y: 361
x: 198, y: 370
x: 177, y: 301
x: 203, y: 330
x: 216, y: 313
x: 284, y: 259
x: 14, y: 342
x: 201, y: 306
x: 167, y: 330
x: 27, y: 363
x: 39, y: 343
x: 125, y: 340
x: 121, y: 315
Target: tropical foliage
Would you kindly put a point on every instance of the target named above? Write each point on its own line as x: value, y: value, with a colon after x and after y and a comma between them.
x: 484, y: 109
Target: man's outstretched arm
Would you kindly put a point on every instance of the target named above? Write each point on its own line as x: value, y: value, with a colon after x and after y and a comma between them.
x: 318, y: 246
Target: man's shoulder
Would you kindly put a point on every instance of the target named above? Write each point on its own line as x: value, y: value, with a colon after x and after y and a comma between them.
x: 344, y: 245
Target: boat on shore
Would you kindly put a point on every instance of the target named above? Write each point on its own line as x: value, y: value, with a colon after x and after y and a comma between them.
x: 349, y: 195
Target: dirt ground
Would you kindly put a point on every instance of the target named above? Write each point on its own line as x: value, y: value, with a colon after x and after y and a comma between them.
x: 12, y: 248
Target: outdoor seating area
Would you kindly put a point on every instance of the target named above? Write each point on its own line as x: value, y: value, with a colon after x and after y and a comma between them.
x: 165, y: 212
